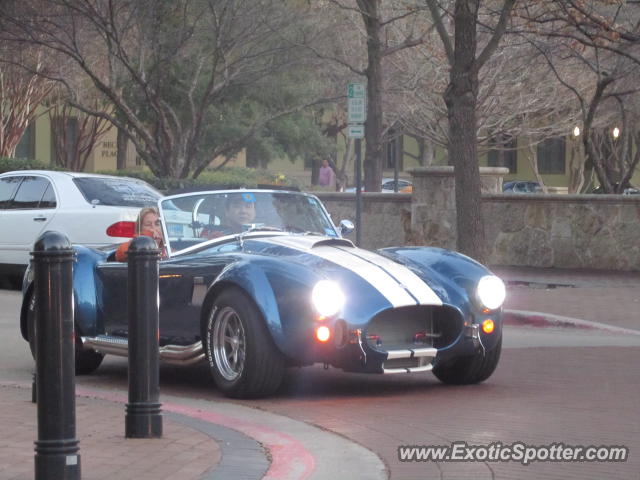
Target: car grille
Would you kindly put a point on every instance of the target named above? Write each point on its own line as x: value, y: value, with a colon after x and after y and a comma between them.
x: 420, y: 326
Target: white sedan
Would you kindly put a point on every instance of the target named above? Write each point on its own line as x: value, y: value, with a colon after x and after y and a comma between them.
x: 94, y: 210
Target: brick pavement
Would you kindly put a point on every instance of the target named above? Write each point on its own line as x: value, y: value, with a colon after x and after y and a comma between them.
x: 182, y: 453
x: 578, y: 396
x: 606, y: 297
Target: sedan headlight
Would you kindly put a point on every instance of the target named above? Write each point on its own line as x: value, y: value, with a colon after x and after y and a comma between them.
x: 327, y: 298
x: 491, y: 292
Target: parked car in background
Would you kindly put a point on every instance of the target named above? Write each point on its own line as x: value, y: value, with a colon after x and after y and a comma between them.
x: 628, y: 190
x: 93, y: 210
x: 519, y: 186
x: 282, y: 289
x: 404, y: 186
x: 387, y: 186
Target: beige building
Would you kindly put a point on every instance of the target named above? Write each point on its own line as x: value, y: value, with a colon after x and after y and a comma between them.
x: 554, y: 157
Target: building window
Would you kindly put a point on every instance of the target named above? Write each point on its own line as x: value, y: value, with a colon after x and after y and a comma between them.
x: 27, y: 145
x: 552, y: 156
x: 393, y: 151
x: 504, y: 156
x: 64, y: 135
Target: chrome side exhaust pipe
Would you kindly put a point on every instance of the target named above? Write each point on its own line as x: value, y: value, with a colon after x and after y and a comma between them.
x: 172, y: 354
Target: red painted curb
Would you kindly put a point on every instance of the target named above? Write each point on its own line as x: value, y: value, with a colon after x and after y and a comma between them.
x: 289, y: 458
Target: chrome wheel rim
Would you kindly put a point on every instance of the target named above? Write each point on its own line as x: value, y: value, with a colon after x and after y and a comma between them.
x: 229, y: 344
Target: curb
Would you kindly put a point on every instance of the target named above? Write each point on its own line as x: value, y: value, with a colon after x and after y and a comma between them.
x: 258, y: 444
x: 546, y: 320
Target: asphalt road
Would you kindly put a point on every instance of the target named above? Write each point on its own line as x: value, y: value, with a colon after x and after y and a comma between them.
x: 552, y: 385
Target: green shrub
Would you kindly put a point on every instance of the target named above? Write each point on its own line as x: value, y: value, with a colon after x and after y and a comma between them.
x: 226, y: 178
x: 11, y: 164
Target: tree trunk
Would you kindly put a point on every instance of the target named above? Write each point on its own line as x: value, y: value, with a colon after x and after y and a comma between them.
x: 372, y: 164
x: 461, y: 98
x: 576, y: 168
x: 533, y: 161
x: 121, y: 150
x: 427, y: 153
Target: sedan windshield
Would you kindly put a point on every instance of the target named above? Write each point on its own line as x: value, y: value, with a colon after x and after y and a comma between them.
x: 193, y: 218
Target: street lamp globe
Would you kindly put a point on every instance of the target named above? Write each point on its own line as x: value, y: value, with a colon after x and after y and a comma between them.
x: 616, y: 132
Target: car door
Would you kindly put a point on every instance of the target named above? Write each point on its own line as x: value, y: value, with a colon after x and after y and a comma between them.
x: 25, y: 217
x: 8, y: 187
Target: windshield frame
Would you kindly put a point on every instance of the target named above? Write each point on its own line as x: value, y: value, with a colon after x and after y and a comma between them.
x: 235, y: 236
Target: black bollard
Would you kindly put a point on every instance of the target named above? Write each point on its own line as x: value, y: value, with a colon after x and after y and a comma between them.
x: 143, y: 415
x: 56, y: 456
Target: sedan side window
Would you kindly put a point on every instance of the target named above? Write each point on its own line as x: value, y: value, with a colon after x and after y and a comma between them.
x: 8, y: 186
x: 30, y: 192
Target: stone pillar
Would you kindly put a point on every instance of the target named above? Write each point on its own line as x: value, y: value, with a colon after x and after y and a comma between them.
x: 433, y: 203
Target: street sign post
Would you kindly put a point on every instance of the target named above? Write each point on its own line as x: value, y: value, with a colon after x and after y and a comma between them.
x: 356, y: 116
x: 355, y: 131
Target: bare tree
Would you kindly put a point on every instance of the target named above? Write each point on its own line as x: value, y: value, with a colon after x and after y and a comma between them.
x: 593, y: 49
x: 75, y: 134
x: 381, y: 30
x: 461, y: 99
x: 174, y: 72
x: 22, y: 90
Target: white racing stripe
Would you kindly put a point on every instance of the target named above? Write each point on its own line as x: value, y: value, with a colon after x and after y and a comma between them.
x: 402, y: 274
x: 396, y: 283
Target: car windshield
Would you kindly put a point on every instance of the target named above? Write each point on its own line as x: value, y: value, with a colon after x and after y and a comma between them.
x: 190, y: 219
x: 117, y: 192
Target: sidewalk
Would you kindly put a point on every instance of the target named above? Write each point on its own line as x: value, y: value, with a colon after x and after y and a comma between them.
x: 182, y: 452
x: 604, y: 297
x: 201, y: 440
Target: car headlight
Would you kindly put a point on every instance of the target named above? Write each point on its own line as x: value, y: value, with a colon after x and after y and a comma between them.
x: 491, y: 292
x: 327, y: 298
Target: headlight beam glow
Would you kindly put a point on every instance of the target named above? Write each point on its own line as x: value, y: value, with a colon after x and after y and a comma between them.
x: 327, y: 298
x: 491, y: 292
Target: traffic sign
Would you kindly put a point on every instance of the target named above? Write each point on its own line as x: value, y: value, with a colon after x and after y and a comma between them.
x: 356, y: 103
x: 355, y: 90
x: 356, y: 110
x: 355, y: 131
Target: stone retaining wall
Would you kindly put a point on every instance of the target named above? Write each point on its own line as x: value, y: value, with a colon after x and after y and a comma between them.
x: 563, y: 231
x: 386, y: 217
x: 553, y: 230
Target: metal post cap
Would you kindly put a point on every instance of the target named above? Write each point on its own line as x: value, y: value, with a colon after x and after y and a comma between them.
x: 52, y: 241
x: 143, y: 244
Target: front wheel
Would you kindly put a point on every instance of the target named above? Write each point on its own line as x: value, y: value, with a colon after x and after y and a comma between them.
x: 470, y: 369
x: 86, y: 361
x: 244, y: 361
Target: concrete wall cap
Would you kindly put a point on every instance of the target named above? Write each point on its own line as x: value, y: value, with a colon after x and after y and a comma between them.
x: 443, y: 171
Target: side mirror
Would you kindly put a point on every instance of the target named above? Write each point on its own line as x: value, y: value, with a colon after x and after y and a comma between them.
x: 346, y: 227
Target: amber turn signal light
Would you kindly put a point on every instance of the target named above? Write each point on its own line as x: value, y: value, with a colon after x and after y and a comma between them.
x: 323, y: 333
x: 488, y: 326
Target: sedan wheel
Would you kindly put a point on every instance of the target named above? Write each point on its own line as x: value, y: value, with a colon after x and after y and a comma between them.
x: 243, y: 358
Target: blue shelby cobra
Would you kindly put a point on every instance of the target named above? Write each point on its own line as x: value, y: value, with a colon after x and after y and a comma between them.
x: 283, y: 289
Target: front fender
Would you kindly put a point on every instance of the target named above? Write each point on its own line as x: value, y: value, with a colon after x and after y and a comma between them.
x: 278, y: 291
x: 454, y: 278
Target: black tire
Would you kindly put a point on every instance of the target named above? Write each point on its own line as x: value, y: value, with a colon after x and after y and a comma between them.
x: 86, y: 361
x: 244, y: 361
x: 470, y: 369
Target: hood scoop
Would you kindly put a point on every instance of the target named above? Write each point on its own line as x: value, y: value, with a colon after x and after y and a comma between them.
x: 333, y: 242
